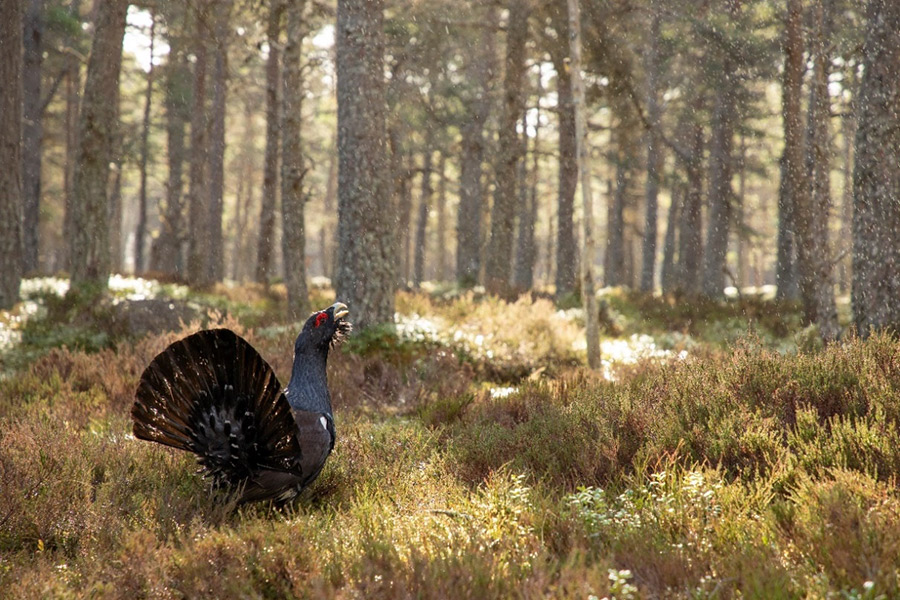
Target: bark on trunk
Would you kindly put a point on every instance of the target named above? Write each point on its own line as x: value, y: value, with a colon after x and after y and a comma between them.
x: 198, y: 201
x: 293, y: 240
x: 422, y: 220
x: 588, y: 291
x: 169, y: 246
x: 468, y: 229
x: 848, y: 133
x: 876, y: 179
x: 499, y: 260
x: 469, y: 222
x: 443, y: 251
x: 73, y: 103
x: 741, y: 241
x: 327, y: 233
x: 366, y: 262
x: 721, y: 167
x: 814, y: 263
x: 654, y: 157
x: 10, y: 152
x: 33, y: 129
x: 98, y: 126
x: 690, y: 230
x: 523, y: 277
x: 270, y: 165
x: 720, y: 190
x: 396, y: 169
x: 405, y: 231
x: 615, y: 227
x: 792, y: 178
x: 567, y: 178
x: 115, y: 206
x: 246, y: 184
x: 668, y: 278
x: 141, y: 230
x: 401, y: 172
x: 216, y: 250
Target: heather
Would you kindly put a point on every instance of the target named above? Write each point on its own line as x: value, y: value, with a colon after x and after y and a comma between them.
x: 476, y: 458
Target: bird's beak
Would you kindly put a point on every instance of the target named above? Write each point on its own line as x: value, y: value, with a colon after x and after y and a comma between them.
x: 340, y: 310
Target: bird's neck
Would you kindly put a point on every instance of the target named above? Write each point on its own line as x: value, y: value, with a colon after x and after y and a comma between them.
x: 308, y: 388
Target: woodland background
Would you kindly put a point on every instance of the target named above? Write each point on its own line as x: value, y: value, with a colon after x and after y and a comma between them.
x: 722, y: 137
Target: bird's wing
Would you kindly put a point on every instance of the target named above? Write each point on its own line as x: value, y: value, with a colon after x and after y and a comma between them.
x: 213, y: 394
x: 315, y: 432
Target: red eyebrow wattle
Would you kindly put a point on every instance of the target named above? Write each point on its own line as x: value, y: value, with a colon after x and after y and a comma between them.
x: 321, y: 318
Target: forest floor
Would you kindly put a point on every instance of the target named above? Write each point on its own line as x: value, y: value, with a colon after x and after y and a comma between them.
x: 720, y: 452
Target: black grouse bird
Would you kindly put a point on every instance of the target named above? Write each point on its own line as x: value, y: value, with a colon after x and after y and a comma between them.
x: 212, y: 394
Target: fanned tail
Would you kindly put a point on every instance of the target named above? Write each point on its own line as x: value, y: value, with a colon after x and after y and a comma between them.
x: 212, y: 394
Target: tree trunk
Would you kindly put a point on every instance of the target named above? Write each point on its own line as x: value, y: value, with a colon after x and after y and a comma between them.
x: 270, y: 165
x: 216, y: 249
x: 141, y: 231
x: 549, y: 246
x: 792, y: 177
x: 244, y: 194
x: 690, y: 229
x: 471, y: 194
x: 114, y: 193
x: 73, y: 103
x: 499, y: 261
x: 876, y: 185
x: 615, y: 223
x: 406, y: 204
x: 10, y: 152
x: 293, y: 240
x: 588, y: 291
x: 396, y: 168
x: 654, y: 156
x: 443, y: 253
x: 169, y: 244
x: 115, y: 204
x: 326, y: 234
x: 812, y: 209
x: 848, y: 133
x: 741, y: 237
x: 422, y: 220
x: 720, y: 191
x: 567, y: 178
x: 198, y: 201
x: 401, y: 170
x: 468, y: 228
x: 533, y: 179
x: 724, y: 121
x: 523, y: 276
x: 98, y: 125
x: 366, y: 260
x: 33, y: 129
x: 668, y: 276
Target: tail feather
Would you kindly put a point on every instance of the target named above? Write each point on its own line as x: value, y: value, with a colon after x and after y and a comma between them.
x: 212, y: 394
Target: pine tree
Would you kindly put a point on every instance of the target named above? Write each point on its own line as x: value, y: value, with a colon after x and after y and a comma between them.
x: 10, y: 148
x: 876, y: 185
x: 366, y: 251
x: 97, y: 130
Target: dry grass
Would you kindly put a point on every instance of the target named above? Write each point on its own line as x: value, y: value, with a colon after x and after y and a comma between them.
x: 744, y: 473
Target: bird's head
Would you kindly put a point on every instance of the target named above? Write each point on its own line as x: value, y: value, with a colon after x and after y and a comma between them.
x: 324, y: 328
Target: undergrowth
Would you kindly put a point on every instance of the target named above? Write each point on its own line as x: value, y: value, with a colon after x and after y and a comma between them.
x: 469, y: 467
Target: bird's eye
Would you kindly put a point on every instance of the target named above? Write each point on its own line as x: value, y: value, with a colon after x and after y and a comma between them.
x: 321, y: 318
